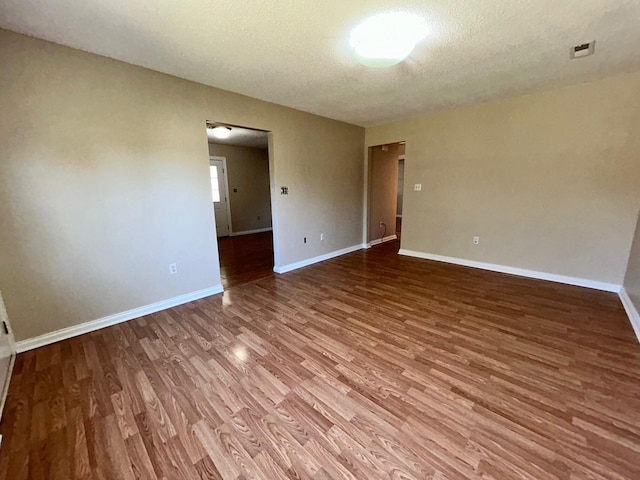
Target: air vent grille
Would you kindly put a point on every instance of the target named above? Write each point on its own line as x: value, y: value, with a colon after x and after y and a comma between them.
x: 582, y: 50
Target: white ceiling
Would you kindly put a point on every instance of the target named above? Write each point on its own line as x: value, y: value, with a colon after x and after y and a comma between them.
x: 296, y: 52
x: 242, y: 137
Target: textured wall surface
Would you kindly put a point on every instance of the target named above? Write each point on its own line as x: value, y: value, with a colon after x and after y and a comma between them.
x: 248, y: 174
x: 548, y: 181
x: 104, y: 182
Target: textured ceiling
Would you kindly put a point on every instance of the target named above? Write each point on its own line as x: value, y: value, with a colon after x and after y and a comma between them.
x: 242, y: 137
x: 296, y: 52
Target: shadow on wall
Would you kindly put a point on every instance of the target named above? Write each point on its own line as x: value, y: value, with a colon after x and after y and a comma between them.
x: 632, y: 277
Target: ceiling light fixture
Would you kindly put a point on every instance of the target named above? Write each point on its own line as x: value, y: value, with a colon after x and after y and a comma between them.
x: 221, y: 132
x: 387, y: 38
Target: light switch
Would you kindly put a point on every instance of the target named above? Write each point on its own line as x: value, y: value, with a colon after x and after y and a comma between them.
x: 417, y: 187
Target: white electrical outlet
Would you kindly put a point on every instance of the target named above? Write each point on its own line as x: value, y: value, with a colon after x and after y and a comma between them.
x: 417, y: 187
x: 322, y: 237
x: 173, y: 269
x: 476, y: 240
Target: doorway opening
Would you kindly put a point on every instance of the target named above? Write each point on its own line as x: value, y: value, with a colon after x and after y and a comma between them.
x: 239, y: 170
x: 385, y: 193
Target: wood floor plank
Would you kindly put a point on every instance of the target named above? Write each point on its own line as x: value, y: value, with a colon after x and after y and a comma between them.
x: 245, y: 258
x: 367, y: 366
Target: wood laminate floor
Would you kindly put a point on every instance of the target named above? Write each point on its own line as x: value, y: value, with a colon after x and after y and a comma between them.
x: 245, y: 258
x: 368, y: 366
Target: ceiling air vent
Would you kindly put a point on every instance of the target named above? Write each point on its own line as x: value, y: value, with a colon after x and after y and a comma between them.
x: 583, y: 50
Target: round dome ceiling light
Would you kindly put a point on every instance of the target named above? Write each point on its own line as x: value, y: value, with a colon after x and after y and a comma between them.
x: 221, y: 132
x: 387, y: 38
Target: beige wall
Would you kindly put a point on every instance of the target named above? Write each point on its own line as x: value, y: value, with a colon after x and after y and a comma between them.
x: 548, y: 181
x: 383, y: 189
x: 104, y: 183
x: 248, y: 174
x: 632, y: 278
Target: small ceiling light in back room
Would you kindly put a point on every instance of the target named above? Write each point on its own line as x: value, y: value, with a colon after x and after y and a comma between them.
x: 221, y: 132
x: 387, y: 38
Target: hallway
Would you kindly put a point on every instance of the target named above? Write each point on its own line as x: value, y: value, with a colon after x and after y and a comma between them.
x: 245, y: 258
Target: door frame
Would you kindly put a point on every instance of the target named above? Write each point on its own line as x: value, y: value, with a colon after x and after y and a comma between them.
x: 366, y: 197
x: 4, y: 389
x: 226, y: 188
x: 273, y: 198
x: 401, y: 158
x: 274, y: 193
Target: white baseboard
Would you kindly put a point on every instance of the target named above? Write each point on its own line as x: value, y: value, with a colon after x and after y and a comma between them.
x: 75, y: 330
x: 378, y: 241
x: 552, y: 277
x: 249, y: 232
x: 321, y: 258
x: 632, y: 311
